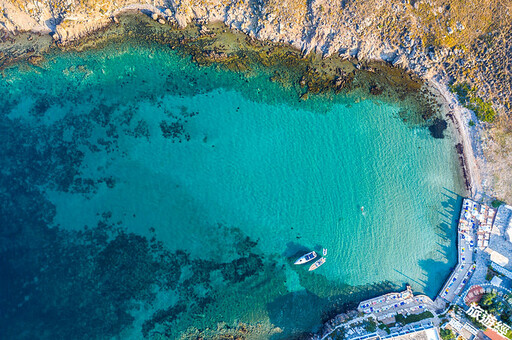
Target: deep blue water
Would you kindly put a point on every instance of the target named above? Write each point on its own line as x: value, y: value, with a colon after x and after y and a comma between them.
x: 142, y: 194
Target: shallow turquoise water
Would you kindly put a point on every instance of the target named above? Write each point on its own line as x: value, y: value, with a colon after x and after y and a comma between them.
x: 235, y: 172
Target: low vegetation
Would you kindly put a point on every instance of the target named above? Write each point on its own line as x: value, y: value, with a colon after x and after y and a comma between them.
x: 476, y: 323
x: 497, y: 203
x: 384, y: 328
x: 491, y: 273
x: 468, y: 97
x: 446, y: 334
x: 497, y: 306
x: 370, y: 326
x: 413, y: 317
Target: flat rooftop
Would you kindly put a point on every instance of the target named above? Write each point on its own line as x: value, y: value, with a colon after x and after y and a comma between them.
x: 424, y: 334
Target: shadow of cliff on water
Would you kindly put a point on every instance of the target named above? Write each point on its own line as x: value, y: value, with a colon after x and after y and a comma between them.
x: 447, y: 231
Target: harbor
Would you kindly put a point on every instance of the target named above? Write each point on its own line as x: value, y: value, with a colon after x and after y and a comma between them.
x: 474, y: 229
x: 484, y: 266
x: 384, y: 308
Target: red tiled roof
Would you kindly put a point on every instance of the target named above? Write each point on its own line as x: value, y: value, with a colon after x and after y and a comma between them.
x: 494, y: 335
x: 474, y: 295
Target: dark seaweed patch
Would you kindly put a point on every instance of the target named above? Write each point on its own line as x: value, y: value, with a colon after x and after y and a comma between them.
x: 167, y: 315
x: 110, y: 182
x: 174, y: 128
x: 40, y: 107
x: 84, y: 284
x: 126, y: 267
x: 140, y: 130
x: 437, y: 128
x: 174, y: 131
x: 376, y: 90
x: 102, y: 114
x: 38, y: 156
x: 239, y: 269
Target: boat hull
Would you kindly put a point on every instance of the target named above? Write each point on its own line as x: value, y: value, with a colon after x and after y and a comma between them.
x: 306, y: 258
x: 317, y: 264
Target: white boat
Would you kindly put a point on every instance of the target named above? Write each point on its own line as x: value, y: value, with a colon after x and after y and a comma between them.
x: 317, y: 264
x: 324, y: 252
x: 306, y: 258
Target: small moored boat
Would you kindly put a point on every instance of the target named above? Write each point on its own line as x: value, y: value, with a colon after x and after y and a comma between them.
x: 306, y: 258
x: 324, y: 252
x: 317, y: 264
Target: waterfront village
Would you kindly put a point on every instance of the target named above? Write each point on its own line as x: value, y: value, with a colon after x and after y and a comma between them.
x: 475, y: 302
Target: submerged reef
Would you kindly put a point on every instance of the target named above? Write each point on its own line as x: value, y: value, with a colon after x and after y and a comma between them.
x: 88, y: 284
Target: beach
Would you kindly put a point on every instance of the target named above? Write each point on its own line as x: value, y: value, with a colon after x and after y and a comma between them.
x: 473, y: 163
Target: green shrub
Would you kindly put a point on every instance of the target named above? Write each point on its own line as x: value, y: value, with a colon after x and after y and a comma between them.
x: 446, y: 334
x: 488, y: 299
x: 462, y: 91
x: 370, y: 326
x: 491, y: 273
x: 413, y: 317
x: 385, y: 328
x: 471, y: 123
x: 497, y: 203
x: 483, y: 110
x: 476, y: 323
x: 468, y: 98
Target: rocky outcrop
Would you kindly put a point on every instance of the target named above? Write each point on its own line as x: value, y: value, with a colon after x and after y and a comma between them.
x: 427, y: 37
x: 416, y: 35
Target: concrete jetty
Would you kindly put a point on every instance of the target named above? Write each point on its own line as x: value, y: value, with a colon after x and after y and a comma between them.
x: 474, y: 230
x: 385, y: 307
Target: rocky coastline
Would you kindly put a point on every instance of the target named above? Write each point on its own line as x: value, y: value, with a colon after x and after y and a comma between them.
x: 312, y: 28
x: 343, y: 55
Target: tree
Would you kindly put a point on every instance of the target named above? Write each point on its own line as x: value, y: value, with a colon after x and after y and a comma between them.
x: 371, y: 326
x: 446, y: 334
x: 488, y: 299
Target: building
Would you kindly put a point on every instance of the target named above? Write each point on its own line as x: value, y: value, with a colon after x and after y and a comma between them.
x: 427, y: 333
x: 385, y: 307
x: 500, y: 246
x: 464, y: 330
x: 479, y: 218
x: 474, y: 295
x: 496, y: 281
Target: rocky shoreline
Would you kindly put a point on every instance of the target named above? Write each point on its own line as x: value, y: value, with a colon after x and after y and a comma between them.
x: 82, y: 36
x: 343, y: 35
x: 33, y: 46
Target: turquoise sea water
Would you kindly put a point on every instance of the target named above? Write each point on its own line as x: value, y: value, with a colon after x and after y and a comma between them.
x: 180, y: 196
